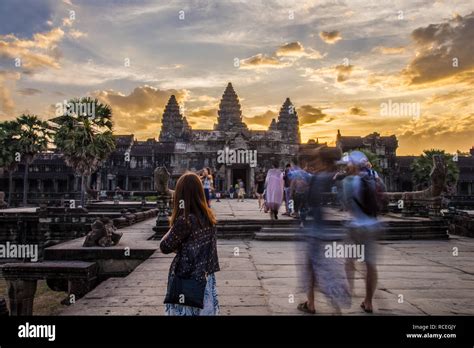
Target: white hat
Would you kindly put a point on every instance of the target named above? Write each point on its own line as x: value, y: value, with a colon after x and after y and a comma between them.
x: 358, y: 158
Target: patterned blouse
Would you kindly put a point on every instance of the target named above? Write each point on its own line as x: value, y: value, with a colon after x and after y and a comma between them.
x: 195, y: 245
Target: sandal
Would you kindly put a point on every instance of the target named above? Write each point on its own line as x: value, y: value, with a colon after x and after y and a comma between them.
x: 362, y: 305
x: 304, y: 308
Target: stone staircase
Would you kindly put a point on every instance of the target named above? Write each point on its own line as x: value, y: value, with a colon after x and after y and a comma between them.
x: 287, y: 230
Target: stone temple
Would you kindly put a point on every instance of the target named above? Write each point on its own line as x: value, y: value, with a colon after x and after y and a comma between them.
x: 194, y: 149
x: 180, y: 148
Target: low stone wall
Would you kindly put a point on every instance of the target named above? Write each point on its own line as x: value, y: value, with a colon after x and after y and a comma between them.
x: 54, y: 225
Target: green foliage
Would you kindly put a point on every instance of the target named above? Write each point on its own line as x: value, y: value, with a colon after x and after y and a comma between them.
x: 9, y: 147
x: 33, y: 137
x: 422, y: 166
x: 85, y: 139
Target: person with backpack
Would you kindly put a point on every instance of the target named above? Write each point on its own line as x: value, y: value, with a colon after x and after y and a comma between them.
x: 361, y: 201
x: 318, y: 271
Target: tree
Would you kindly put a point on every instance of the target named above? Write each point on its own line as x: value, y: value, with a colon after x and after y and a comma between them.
x: 9, y: 151
x: 85, y: 138
x: 33, y: 138
x: 422, y: 166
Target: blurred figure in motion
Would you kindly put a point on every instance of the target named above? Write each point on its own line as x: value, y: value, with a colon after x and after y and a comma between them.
x: 231, y: 192
x: 361, y: 201
x: 286, y: 189
x: 274, y: 191
x: 320, y: 269
x: 260, y: 187
x: 299, y: 192
x: 241, y: 190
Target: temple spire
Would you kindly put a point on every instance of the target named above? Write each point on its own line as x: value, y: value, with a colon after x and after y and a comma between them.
x: 174, y: 127
x: 230, y: 113
x: 288, y: 123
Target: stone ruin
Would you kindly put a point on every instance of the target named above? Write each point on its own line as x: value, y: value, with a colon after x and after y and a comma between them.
x: 103, y: 234
x: 3, y: 204
x: 162, y: 177
x: 427, y: 201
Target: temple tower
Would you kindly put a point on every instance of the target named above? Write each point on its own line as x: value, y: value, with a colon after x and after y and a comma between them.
x: 230, y: 113
x: 174, y: 127
x: 288, y: 123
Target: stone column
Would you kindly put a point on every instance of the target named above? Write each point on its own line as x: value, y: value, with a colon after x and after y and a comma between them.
x: 21, y: 294
x: 228, y: 177
x: 126, y: 182
x: 55, y: 185
x: 252, y: 180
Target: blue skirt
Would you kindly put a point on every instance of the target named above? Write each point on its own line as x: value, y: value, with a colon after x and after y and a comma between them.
x: 211, y: 302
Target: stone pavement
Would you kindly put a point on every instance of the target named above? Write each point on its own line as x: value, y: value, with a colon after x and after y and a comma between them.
x: 261, y: 278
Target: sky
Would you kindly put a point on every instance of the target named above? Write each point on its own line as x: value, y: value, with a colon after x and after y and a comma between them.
x: 394, y: 67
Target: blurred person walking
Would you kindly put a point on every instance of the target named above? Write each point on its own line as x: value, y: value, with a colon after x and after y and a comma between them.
x: 260, y: 187
x: 360, y: 199
x: 192, y: 286
x: 286, y: 189
x: 320, y: 271
x: 299, y: 192
x: 274, y: 191
x: 240, y: 186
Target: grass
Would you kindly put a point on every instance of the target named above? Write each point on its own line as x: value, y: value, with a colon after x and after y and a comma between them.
x: 47, y: 301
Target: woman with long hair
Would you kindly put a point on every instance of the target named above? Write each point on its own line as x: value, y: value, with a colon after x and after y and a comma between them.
x: 192, y: 236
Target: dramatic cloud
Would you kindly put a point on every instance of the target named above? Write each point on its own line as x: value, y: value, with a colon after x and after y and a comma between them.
x: 296, y: 50
x: 440, y: 133
x: 355, y: 110
x: 7, y: 105
x: 388, y: 50
x: 261, y: 119
x: 141, y: 110
x: 40, y: 52
x: 330, y: 37
x: 444, y: 50
x: 202, y: 118
x: 343, y: 72
x: 309, y: 114
x: 261, y: 61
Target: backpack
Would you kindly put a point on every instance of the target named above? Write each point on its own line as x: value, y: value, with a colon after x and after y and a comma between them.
x: 369, y: 199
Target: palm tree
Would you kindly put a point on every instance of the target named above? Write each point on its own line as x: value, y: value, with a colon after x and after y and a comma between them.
x: 85, y: 139
x: 33, y: 138
x: 421, y: 168
x: 9, y: 151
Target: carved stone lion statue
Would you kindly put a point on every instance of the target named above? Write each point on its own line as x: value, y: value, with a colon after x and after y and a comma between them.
x: 103, y: 234
x: 162, y: 177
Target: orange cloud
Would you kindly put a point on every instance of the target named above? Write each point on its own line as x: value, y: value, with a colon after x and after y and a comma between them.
x: 40, y: 52
x: 261, y: 61
x: 388, y: 50
x: 330, y: 37
x: 444, y: 51
x: 140, y: 111
x: 343, y: 72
